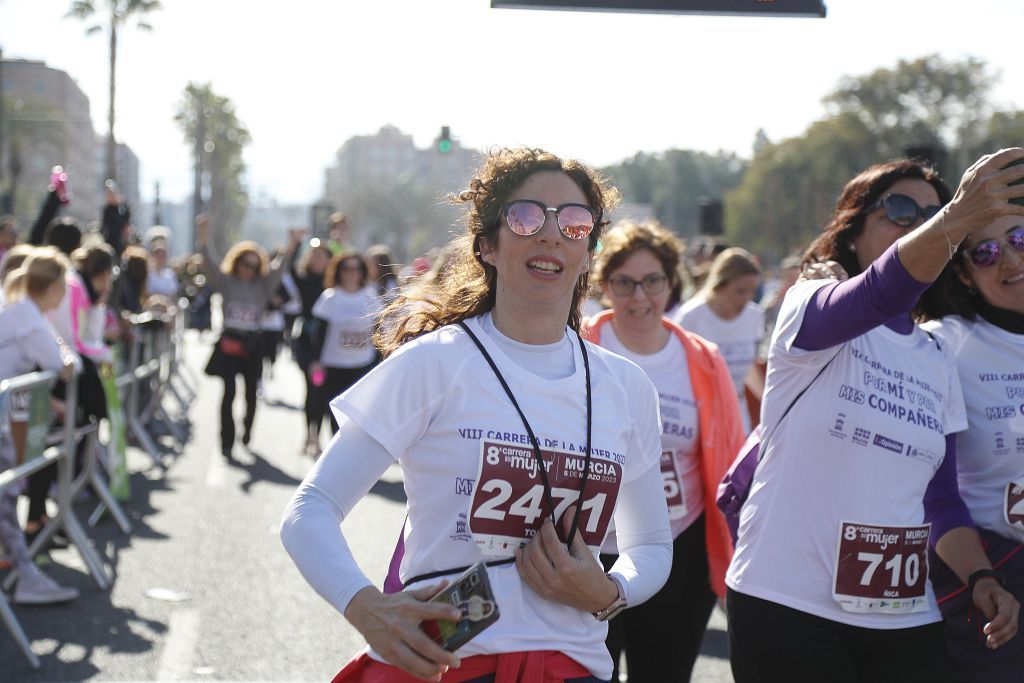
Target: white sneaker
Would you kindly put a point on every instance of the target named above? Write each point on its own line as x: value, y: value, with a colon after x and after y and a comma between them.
x: 36, y: 588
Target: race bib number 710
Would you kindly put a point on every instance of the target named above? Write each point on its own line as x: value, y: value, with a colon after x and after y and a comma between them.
x: 882, y: 569
x: 508, y: 503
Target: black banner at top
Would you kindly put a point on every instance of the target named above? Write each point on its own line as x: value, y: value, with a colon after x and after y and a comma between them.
x: 791, y: 8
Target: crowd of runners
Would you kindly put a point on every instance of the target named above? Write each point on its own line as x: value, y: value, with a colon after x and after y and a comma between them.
x: 564, y: 398
x: 565, y: 393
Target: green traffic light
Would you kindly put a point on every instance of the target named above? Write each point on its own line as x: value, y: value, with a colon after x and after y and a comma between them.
x: 444, y: 146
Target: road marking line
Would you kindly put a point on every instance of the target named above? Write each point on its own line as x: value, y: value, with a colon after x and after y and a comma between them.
x: 179, y: 646
x: 216, y: 472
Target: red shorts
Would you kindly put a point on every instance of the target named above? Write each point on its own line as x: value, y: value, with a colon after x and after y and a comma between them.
x: 544, y: 666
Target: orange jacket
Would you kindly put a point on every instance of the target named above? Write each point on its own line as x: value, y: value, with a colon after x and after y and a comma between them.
x: 721, y: 432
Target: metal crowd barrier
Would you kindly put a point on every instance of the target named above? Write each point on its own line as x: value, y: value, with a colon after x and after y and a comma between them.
x: 155, y: 362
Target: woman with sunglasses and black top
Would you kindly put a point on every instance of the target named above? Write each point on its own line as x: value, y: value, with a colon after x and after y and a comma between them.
x: 977, y: 308
x: 348, y: 307
x: 246, y: 282
x: 858, y: 470
x: 484, y: 373
x: 637, y: 268
x: 308, y: 277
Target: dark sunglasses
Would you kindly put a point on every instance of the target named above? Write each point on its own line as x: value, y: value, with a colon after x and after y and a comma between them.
x: 653, y: 283
x: 249, y: 264
x: 988, y: 252
x: 904, y: 211
x: 526, y: 217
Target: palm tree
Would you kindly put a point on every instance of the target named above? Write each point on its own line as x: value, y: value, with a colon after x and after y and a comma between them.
x: 120, y: 11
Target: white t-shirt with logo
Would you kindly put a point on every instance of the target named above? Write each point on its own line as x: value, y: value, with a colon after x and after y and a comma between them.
x: 737, y: 339
x: 350, y: 317
x: 680, y: 428
x: 834, y: 525
x: 471, y: 476
x: 990, y: 454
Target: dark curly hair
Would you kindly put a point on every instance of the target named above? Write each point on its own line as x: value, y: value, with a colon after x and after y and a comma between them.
x: 865, y: 189
x: 468, y: 285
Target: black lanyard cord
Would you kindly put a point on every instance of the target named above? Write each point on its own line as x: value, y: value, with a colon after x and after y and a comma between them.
x: 533, y: 439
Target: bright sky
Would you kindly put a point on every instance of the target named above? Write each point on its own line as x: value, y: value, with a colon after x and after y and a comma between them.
x: 307, y: 74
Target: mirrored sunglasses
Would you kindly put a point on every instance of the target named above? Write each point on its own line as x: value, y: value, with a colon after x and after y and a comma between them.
x: 526, y: 217
x: 903, y: 210
x: 988, y: 252
x: 653, y: 283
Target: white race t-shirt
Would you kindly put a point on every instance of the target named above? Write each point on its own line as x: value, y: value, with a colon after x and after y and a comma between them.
x: 990, y: 454
x: 680, y: 428
x: 737, y: 339
x: 834, y: 525
x: 470, y: 472
x: 349, y: 317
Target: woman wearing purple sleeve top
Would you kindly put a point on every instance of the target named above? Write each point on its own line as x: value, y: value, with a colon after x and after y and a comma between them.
x: 830, y: 576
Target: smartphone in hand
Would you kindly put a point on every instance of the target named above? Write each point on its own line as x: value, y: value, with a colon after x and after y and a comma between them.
x: 471, y: 593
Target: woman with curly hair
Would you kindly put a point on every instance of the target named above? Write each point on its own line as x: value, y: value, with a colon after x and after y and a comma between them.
x: 485, y: 385
x: 245, y: 280
x: 637, y: 269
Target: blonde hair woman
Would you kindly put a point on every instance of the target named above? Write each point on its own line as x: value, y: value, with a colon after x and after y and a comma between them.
x: 724, y: 312
x: 26, y: 342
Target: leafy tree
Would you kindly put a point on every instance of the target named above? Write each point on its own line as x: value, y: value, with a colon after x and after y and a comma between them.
x: 210, y: 125
x: 115, y: 13
x: 675, y: 182
x: 1003, y: 129
x: 790, y: 188
x: 925, y: 102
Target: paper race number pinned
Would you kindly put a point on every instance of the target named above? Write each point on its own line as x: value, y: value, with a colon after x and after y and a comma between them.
x: 1013, y: 510
x: 675, y: 495
x: 881, y: 569
x: 508, y: 503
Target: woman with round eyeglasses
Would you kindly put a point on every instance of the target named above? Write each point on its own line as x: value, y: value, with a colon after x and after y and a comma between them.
x: 701, y: 431
x: 347, y: 308
x: 977, y: 309
x: 858, y: 472
x: 519, y: 442
x: 246, y: 281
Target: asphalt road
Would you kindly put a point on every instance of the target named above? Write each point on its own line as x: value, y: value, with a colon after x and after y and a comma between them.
x: 203, y: 590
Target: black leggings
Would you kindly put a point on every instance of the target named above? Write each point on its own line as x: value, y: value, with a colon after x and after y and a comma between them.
x: 770, y: 642
x: 338, y: 380
x: 227, y: 418
x: 662, y: 636
x: 315, y: 405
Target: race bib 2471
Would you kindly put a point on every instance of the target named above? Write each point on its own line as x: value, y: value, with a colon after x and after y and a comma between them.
x: 508, y: 504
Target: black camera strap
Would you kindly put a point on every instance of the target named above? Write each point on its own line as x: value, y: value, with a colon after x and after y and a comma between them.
x: 536, y: 454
